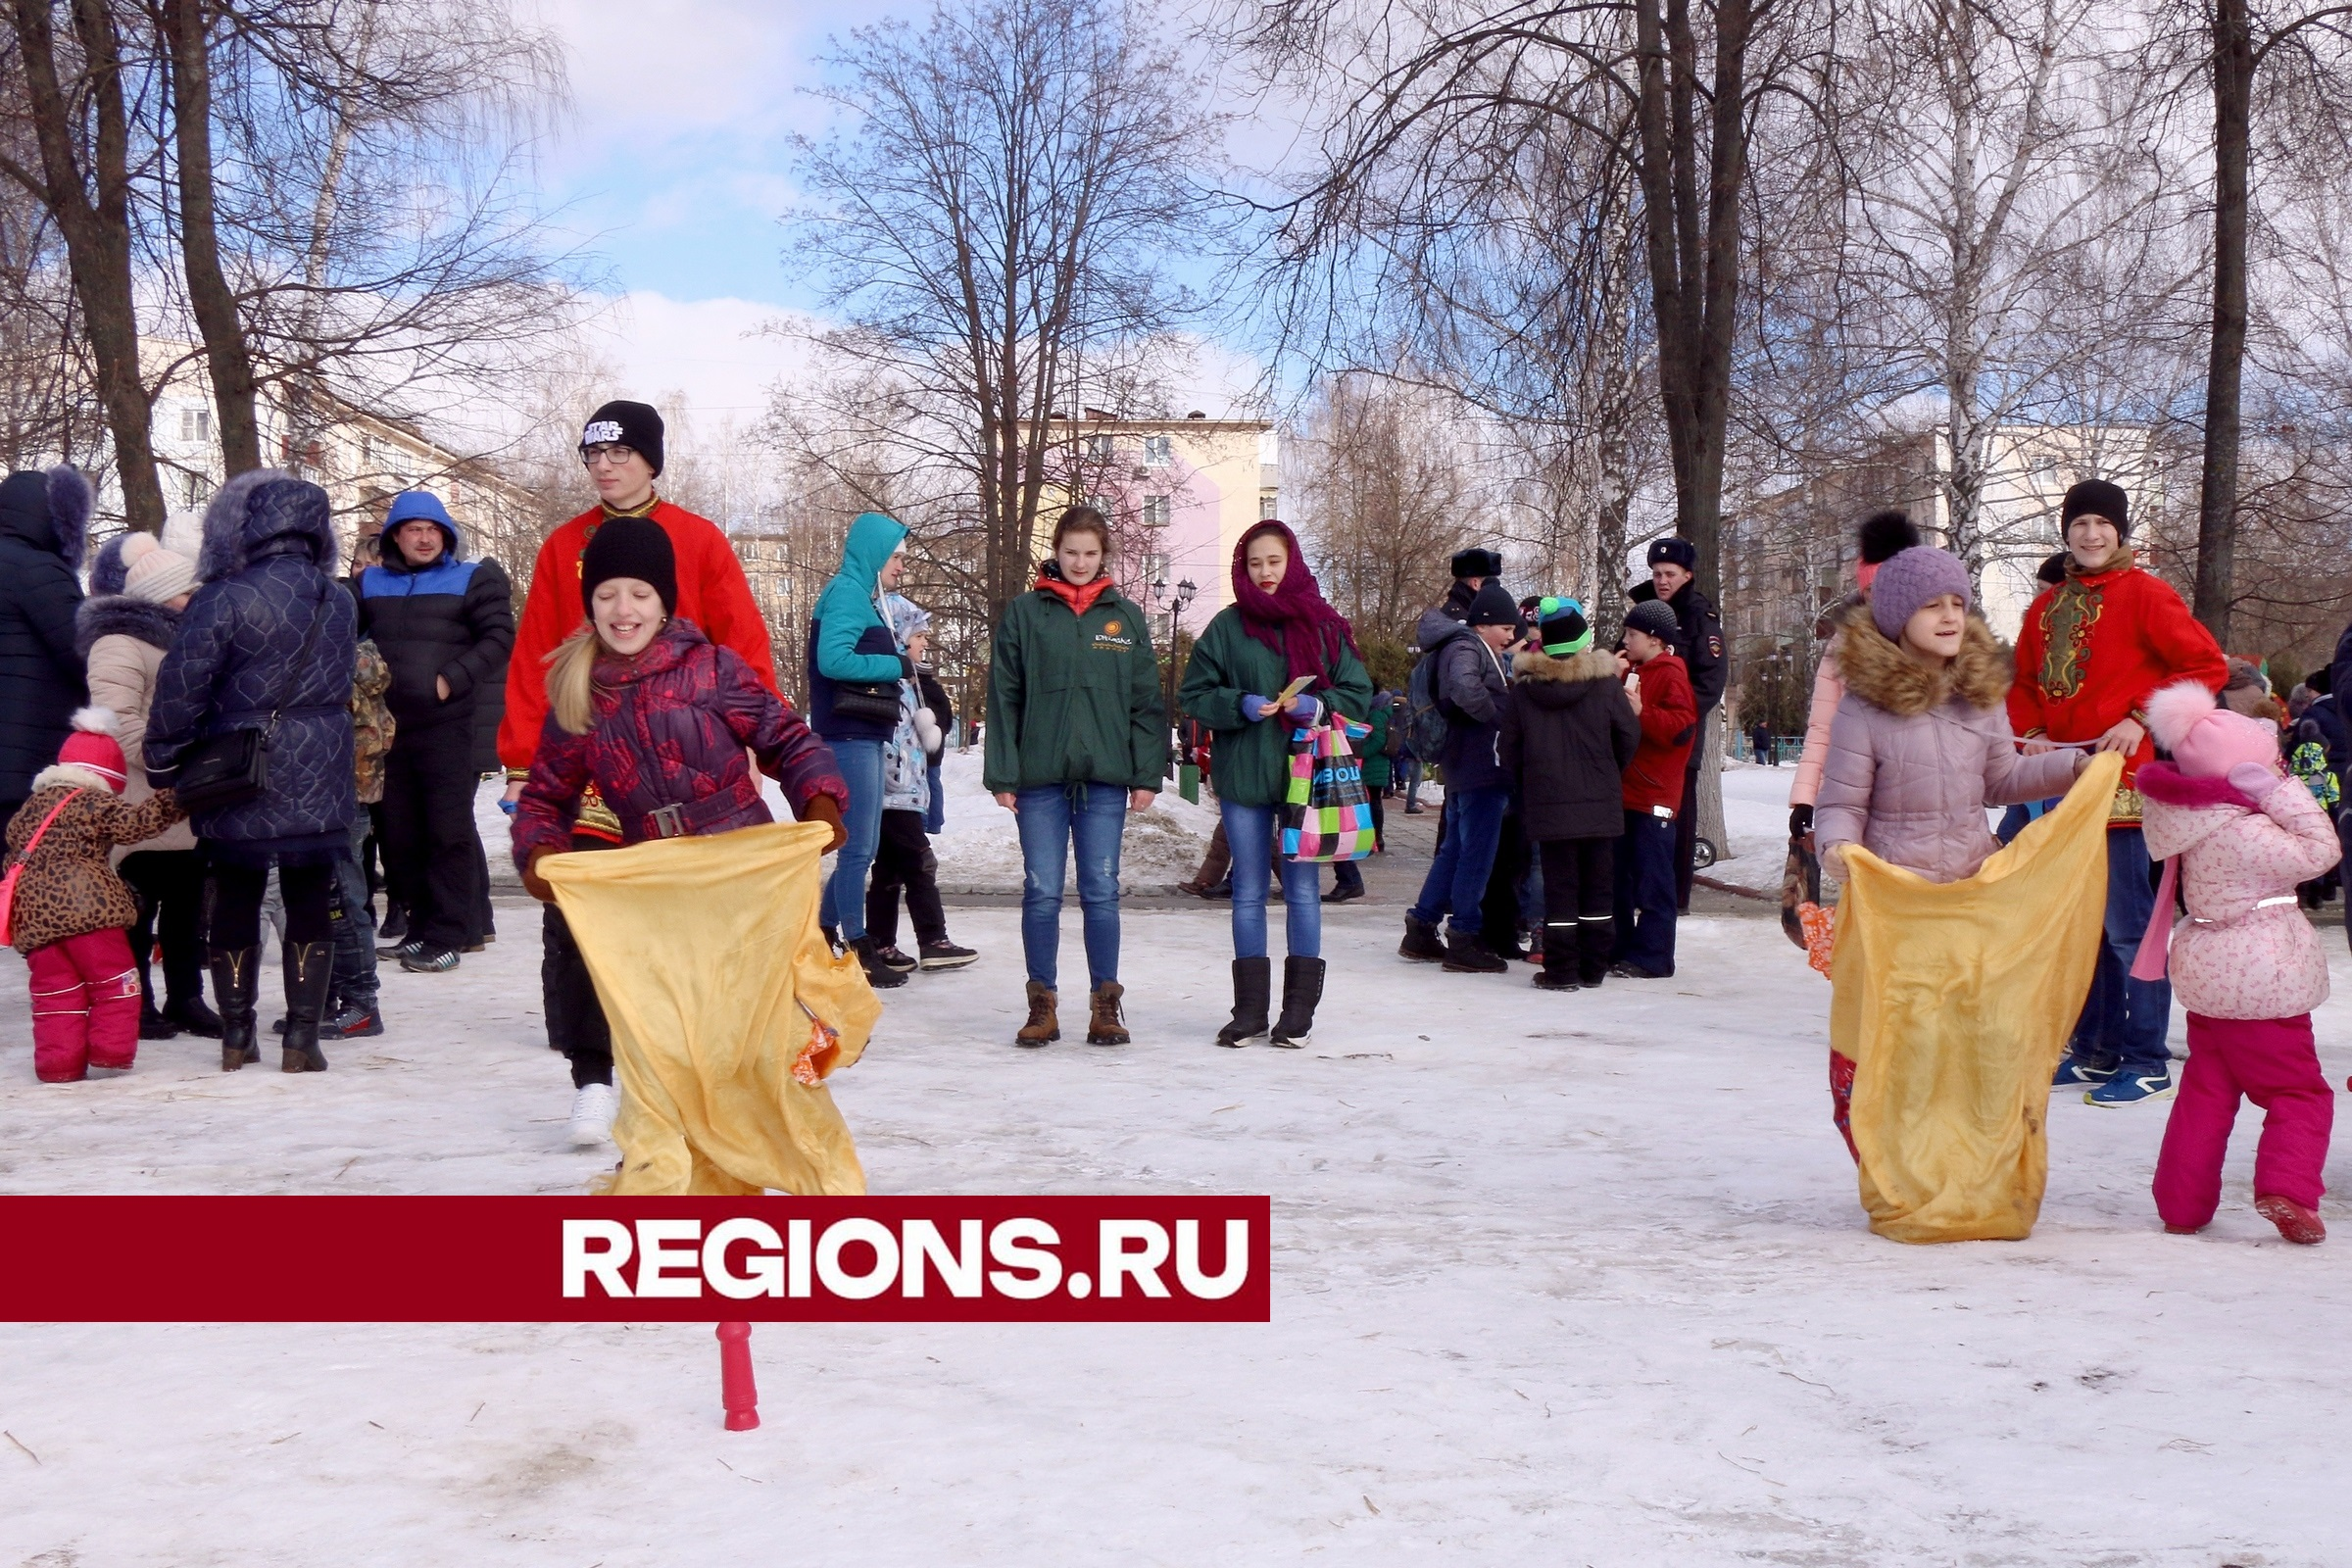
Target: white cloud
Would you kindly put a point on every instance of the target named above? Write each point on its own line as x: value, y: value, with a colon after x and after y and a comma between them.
x: 712, y: 350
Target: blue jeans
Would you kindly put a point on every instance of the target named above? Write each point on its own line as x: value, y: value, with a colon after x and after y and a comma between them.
x: 844, y: 905
x: 1646, y: 893
x: 2124, y: 1020
x: 1412, y: 780
x: 1466, y: 858
x: 1049, y: 819
x: 354, y: 925
x: 1249, y: 831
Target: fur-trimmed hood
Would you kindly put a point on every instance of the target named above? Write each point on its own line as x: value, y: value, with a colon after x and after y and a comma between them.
x: 1593, y: 664
x: 120, y: 615
x: 107, y: 571
x: 264, y: 511
x: 72, y: 777
x: 1882, y: 675
x: 50, y: 509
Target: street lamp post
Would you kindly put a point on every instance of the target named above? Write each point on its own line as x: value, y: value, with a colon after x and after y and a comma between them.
x: 1176, y: 607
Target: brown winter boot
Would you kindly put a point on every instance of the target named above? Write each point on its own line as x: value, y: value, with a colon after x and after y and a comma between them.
x: 1103, y: 1026
x: 1043, y: 1024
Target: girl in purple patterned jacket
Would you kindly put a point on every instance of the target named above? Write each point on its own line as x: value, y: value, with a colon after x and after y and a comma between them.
x: 665, y: 724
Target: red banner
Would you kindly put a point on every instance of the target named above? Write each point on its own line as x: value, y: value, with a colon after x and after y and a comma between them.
x: 634, y: 1259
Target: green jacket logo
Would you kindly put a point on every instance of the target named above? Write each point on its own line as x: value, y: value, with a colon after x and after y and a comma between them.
x: 1109, y: 638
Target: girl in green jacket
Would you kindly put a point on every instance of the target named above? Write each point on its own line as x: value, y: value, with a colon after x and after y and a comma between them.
x: 1077, y: 737
x: 1278, y: 630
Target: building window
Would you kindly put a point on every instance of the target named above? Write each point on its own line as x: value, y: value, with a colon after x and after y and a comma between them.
x: 1100, y: 447
x: 1156, y: 511
x: 1269, y: 507
x: 1159, y: 451
x: 195, y: 424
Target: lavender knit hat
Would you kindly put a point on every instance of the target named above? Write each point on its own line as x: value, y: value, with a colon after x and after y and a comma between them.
x: 1909, y: 580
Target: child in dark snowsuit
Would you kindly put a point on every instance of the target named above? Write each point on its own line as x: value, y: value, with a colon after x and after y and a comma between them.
x: 1567, y: 734
x: 69, y: 910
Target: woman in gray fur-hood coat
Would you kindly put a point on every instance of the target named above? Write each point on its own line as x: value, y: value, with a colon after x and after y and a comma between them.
x: 1917, y: 753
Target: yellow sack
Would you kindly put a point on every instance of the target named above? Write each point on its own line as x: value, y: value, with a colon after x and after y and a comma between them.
x: 1955, y: 1000
x: 717, y: 980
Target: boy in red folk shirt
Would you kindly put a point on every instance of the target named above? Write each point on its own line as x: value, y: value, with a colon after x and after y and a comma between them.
x: 1653, y: 792
x: 2092, y: 652
x: 621, y: 449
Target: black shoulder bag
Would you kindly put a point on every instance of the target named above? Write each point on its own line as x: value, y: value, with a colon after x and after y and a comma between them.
x: 222, y: 771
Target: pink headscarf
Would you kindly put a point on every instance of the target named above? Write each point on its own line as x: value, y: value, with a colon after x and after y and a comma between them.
x: 1294, y: 621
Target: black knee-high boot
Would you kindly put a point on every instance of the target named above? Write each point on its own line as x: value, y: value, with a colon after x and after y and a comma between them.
x: 1302, y: 990
x: 310, y: 968
x: 1252, y: 987
x: 1559, y: 972
x: 235, y: 973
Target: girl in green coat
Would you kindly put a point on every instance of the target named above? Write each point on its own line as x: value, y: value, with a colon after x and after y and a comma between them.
x: 1077, y: 738
x: 1278, y: 630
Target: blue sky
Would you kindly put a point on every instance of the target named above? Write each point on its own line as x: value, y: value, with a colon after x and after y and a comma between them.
x: 673, y: 167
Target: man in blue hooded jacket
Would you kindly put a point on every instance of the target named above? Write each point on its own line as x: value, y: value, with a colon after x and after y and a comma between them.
x: 445, y: 626
x: 855, y: 668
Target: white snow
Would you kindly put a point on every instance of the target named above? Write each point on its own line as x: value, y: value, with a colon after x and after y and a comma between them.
x: 980, y: 850
x: 1567, y: 1280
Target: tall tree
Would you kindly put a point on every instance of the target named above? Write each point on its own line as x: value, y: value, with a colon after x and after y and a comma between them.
x: 187, y: 29
x: 1669, y: 97
x: 2312, y: 47
x: 998, y: 208
x: 75, y: 94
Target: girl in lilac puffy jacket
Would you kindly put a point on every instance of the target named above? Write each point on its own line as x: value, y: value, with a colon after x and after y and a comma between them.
x: 2236, y: 835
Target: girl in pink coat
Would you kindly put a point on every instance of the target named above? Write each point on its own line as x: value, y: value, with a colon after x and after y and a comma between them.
x: 2236, y: 835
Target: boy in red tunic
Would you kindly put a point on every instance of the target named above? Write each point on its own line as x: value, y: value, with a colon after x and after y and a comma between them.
x: 622, y: 448
x: 2092, y: 652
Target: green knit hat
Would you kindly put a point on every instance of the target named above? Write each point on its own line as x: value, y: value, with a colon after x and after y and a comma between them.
x: 1562, y: 626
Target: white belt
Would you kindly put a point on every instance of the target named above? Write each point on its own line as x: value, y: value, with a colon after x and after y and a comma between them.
x: 2259, y: 903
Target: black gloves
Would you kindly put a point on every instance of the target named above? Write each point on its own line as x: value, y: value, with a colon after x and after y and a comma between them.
x: 1800, y: 821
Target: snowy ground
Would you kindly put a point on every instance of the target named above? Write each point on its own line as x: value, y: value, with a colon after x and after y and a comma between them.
x: 1557, y: 1280
x: 1755, y: 817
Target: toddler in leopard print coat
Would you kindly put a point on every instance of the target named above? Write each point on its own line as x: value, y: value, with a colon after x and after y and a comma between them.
x: 69, y: 910
x: 2238, y: 835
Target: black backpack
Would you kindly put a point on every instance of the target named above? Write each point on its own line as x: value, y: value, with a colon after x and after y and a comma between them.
x: 1424, y: 719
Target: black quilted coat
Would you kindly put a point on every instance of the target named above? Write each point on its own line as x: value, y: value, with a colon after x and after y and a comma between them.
x: 43, y: 523
x: 266, y: 538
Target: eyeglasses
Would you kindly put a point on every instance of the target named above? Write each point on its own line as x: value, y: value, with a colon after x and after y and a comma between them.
x: 611, y: 452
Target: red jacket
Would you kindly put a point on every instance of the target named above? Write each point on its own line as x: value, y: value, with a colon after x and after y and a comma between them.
x: 712, y: 592
x: 1669, y: 729
x: 2094, y: 647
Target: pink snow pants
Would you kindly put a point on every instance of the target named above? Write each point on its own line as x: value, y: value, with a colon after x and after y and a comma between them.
x: 2271, y: 1063
x: 85, y: 1005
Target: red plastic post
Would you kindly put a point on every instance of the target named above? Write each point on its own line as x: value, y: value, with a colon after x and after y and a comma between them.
x: 736, y: 1387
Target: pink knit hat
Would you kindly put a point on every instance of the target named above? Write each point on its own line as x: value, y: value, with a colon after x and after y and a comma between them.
x: 2207, y: 741
x: 92, y: 746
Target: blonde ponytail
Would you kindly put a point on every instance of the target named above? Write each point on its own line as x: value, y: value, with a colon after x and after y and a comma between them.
x: 572, y: 680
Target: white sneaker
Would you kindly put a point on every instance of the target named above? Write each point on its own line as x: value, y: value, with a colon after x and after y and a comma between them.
x: 592, y: 1109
